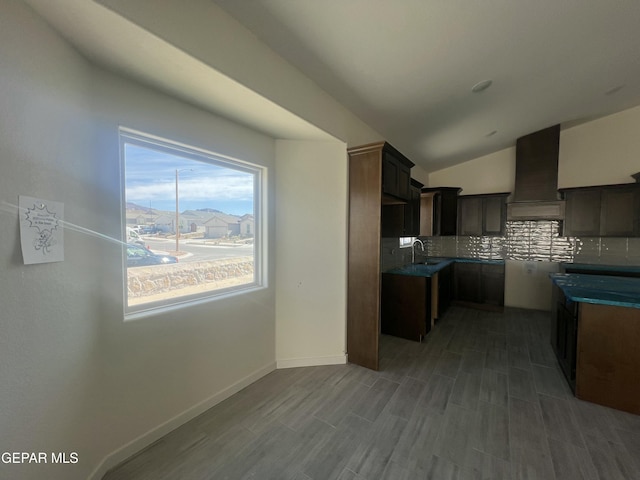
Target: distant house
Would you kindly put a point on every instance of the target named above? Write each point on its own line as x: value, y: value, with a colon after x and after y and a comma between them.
x: 246, y: 225
x: 213, y: 224
x: 221, y: 225
x: 136, y: 219
x: 194, y: 220
x: 165, y: 223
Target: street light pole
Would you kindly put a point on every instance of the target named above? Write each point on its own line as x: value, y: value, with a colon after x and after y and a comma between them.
x: 177, y: 216
x: 177, y: 208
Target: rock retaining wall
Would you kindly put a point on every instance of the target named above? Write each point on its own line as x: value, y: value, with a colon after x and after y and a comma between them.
x: 152, y: 280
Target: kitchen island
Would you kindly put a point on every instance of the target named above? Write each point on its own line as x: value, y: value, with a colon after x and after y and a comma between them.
x: 595, y: 333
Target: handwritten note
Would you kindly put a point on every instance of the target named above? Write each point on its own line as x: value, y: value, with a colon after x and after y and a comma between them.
x: 41, y: 230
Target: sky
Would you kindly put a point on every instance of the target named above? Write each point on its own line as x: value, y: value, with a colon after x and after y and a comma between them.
x: 150, y: 177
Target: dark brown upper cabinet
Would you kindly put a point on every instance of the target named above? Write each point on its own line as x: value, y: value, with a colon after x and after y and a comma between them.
x: 396, y: 175
x: 482, y: 215
x: 602, y: 211
x: 403, y: 220
x: 412, y: 211
x: 439, y: 211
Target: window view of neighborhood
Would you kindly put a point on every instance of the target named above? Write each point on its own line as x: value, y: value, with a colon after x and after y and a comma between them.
x: 190, y: 222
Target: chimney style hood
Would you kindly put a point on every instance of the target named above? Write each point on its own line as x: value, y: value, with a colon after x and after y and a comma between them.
x: 536, y: 188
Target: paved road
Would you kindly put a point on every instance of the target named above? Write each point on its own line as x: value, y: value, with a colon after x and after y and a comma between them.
x: 198, y: 252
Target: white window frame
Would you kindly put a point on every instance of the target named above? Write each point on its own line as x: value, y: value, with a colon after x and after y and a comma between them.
x: 129, y: 136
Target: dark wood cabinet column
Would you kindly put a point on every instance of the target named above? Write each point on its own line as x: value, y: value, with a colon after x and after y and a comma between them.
x: 363, y: 283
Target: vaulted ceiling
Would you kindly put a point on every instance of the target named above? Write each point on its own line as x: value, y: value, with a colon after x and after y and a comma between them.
x: 407, y: 67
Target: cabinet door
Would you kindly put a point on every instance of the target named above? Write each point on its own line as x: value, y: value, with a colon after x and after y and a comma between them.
x: 468, y: 282
x: 396, y: 177
x: 404, y: 182
x: 405, y: 306
x: 448, y: 211
x: 493, y: 284
x: 494, y: 214
x: 390, y: 175
x: 566, y: 342
x: 470, y: 216
x: 582, y: 217
x: 393, y: 221
x: 620, y: 212
x: 557, y: 299
x: 412, y: 214
x: 445, y: 290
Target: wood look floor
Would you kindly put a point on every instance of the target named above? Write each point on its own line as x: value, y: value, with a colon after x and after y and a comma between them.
x: 481, y: 398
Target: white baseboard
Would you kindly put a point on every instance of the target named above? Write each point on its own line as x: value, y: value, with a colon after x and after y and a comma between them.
x: 311, y: 361
x: 161, y: 430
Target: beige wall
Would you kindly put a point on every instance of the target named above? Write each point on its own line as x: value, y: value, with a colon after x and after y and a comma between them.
x: 600, y: 152
x: 311, y: 203
x: 50, y: 322
x: 603, y: 151
x: 163, y: 369
x: 493, y: 173
x: 74, y: 375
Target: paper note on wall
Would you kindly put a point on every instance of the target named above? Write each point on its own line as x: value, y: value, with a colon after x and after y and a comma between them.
x: 41, y: 230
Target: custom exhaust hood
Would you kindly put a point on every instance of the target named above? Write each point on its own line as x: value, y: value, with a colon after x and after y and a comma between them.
x: 536, y: 189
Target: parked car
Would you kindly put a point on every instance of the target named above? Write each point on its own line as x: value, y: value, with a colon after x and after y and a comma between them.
x: 133, y: 237
x: 138, y: 256
x: 148, y: 230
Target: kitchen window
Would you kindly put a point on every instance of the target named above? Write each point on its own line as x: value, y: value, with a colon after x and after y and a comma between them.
x: 191, y: 224
x: 406, y: 242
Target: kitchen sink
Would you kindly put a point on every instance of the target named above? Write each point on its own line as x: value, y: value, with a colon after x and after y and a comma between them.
x: 432, y: 261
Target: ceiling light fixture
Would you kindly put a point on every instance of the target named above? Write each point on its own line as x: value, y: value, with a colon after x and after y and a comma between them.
x: 481, y: 86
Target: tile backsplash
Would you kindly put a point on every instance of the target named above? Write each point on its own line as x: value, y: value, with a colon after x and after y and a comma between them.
x: 392, y: 256
x: 524, y: 240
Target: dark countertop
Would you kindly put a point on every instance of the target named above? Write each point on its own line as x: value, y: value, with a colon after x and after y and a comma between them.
x: 428, y: 270
x: 596, y: 267
x: 599, y: 289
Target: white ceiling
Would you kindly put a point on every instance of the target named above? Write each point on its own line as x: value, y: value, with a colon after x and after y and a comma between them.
x: 406, y: 67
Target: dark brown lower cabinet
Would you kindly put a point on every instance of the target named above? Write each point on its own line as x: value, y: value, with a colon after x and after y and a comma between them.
x: 597, y: 350
x: 493, y: 284
x: 406, y: 306
x: 468, y: 282
x: 608, y: 356
x: 445, y: 289
x: 479, y: 284
x: 411, y: 304
x: 564, y: 334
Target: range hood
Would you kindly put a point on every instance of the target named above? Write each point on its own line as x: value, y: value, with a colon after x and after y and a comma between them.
x: 536, y: 188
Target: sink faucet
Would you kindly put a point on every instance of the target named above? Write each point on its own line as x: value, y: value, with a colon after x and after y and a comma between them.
x: 413, y: 249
